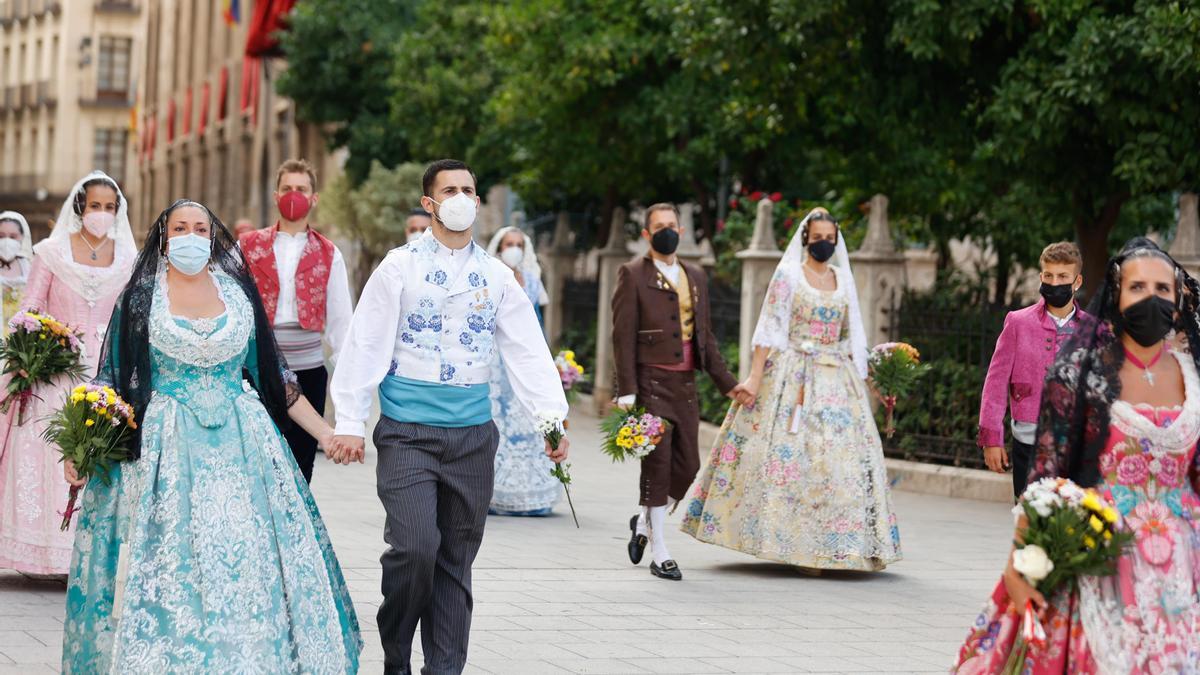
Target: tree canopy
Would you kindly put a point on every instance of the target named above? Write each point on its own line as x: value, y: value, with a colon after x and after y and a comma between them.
x: 1016, y: 122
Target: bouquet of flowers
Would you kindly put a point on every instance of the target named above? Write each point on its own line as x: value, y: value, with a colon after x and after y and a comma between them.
x: 551, y: 428
x: 894, y: 368
x: 38, y: 349
x: 569, y: 371
x: 94, y: 430
x: 631, y: 434
x: 1070, y: 532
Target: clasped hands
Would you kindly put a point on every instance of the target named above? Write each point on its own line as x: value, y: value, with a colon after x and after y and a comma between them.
x: 347, y: 449
x: 744, y: 393
x: 344, y: 449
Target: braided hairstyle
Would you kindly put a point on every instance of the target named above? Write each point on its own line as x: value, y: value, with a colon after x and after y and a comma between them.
x: 80, y: 202
x: 814, y: 216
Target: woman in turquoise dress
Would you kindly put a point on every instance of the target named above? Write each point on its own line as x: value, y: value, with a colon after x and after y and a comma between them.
x: 206, y: 553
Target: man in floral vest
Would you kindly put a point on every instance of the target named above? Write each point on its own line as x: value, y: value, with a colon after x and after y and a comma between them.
x: 302, y: 279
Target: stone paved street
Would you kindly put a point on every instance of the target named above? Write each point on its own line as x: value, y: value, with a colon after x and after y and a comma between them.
x: 553, y: 599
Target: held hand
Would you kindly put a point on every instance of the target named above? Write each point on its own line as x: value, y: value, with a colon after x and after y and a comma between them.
x: 71, y: 475
x: 996, y: 459
x: 560, y: 455
x: 1020, y: 591
x: 325, y: 439
x: 349, y: 449
x: 745, y: 392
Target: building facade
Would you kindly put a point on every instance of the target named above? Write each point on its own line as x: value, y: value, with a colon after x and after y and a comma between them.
x: 68, y: 82
x: 212, y: 128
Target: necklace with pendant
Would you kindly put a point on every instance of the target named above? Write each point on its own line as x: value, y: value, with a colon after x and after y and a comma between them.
x: 95, y: 249
x: 1146, y: 374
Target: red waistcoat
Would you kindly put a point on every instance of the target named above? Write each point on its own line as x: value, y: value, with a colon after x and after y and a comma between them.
x: 312, y: 274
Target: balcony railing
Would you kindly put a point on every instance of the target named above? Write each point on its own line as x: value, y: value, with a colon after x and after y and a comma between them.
x: 10, y: 98
x: 27, y: 96
x: 46, y: 94
x: 118, y: 6
x: 21, y: 183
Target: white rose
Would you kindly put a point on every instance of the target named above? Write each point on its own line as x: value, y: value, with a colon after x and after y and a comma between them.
x: 1033, y: 563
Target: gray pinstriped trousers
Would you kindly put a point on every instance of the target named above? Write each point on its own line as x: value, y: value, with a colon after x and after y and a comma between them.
x: 435, y: 484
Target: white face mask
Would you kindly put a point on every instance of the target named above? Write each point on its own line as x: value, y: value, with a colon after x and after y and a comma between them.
x: 458, y: 212
x: 512, y: 256
x: 9, y: 249
x: 413, y: 236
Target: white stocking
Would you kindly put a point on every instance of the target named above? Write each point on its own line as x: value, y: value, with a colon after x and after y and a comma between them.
x: 643, y: 522
x: 658, y: 527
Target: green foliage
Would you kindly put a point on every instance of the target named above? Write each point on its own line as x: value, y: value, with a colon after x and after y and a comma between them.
x: 1014, y: 123
x: 737, y: 229
x: 714, y: 404
x: 945, y: 405
x: 896, y: 372
x: 582, y: 340
x: 374, y: 213
x: 341, y: 55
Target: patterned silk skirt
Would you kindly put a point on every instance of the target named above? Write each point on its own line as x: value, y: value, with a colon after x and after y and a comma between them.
x: 801, y: 485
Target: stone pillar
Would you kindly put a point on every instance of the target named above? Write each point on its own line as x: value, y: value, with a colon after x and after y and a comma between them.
x: 556, y: 268
x: 1186, y: 247
x: 879, y: 271
x: 612, y: 256
x: 688, y: 249
x: 759, y: 261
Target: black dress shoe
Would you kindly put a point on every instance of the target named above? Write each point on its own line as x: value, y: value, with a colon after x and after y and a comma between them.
x: 669, y: 570
x: 637, y: 542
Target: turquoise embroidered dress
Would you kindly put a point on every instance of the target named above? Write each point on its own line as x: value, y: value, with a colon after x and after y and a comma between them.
x: 207, y: 554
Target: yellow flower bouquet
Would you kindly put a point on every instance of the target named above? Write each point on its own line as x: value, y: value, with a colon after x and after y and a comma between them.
x: 94, y: 429
x: 38, y: 349
x: 631, y: 434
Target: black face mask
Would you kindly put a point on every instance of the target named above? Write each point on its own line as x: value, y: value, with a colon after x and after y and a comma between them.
x: 1058, y: 296
x: 665, y: 241
x: 821, y: 250
x: 1148, y: 321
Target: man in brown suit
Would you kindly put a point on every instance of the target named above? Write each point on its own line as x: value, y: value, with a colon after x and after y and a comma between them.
x: 661, y: 337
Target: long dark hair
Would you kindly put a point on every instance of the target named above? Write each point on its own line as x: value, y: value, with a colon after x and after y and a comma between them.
x: 125, y: 359
x: 1083, y: 383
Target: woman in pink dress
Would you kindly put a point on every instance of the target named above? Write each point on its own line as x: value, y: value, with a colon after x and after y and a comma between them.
x: 1121, y: 413
x: 76, y: 275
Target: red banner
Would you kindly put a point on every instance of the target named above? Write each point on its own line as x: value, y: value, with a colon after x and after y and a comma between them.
x: 204, y: 94
x: 270, y: 17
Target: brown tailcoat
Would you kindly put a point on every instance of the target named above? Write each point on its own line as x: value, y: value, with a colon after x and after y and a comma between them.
x: 646, y: 327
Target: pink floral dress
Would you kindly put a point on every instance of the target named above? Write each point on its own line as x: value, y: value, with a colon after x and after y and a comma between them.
x: 32, y: 488
x: 1145, y: 618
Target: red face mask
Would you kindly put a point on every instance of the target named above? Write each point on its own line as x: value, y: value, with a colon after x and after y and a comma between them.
x: 293, y: 205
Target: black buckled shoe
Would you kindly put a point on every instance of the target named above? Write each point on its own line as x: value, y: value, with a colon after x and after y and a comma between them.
x: 669, y: 570
x: 637, y: 542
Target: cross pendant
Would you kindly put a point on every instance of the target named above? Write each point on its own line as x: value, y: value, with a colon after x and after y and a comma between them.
x: 1149, y: 377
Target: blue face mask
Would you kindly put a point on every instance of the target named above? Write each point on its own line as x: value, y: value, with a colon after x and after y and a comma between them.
x: 189, y: 253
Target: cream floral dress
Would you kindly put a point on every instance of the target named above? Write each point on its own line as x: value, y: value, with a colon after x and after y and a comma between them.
x: 799, y: 477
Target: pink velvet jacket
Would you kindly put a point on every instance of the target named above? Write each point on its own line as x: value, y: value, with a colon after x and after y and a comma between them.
x: 1026, y: 348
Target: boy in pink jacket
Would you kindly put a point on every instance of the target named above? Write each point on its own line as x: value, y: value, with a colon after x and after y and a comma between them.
x: 1027, y: 346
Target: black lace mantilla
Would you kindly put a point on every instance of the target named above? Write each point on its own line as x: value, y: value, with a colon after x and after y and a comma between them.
x: 125, y: 358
